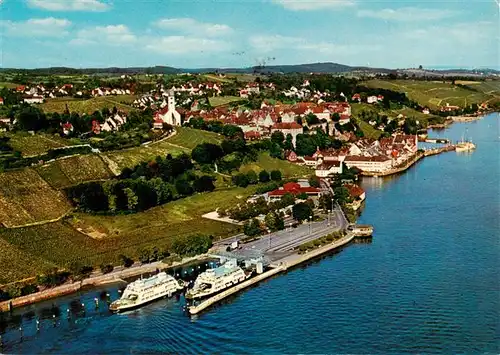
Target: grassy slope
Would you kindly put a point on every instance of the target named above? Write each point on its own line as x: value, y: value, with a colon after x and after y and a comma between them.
x: 437, y: 93
x: 223, y: 100
x: 183, y: 142
x: 90, y: 105
x: 8, y: 85
x: 265, y: 162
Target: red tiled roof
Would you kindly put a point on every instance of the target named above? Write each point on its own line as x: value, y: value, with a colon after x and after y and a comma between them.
x: 354, y: 190
x: 287, y: 125
x: 252, y: 134
x: 294, y: 189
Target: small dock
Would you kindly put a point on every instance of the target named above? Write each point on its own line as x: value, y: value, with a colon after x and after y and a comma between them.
x: 277, y: 267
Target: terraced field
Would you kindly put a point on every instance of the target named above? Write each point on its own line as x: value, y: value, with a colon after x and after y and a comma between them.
x: 437, y: 93
x: 12, y: 258
x: 74, y: 170
x: 122, y: 102
x: 55, y: 243
x: 26, y: 198
x: 37, y: 144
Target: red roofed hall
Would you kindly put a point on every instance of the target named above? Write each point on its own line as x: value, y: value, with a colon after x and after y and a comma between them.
x: 294, y: 189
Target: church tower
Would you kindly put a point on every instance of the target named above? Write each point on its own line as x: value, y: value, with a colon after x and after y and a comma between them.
x: 171, y: 100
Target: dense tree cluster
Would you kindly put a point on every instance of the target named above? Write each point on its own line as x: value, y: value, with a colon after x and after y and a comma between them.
x: 191, y: 245
x: 307, y: 144
x: 145, y: 186
x: 251, y: 177
x: 259, y: 207
x: 303, y: 211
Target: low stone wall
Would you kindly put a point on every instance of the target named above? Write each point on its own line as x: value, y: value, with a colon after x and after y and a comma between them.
x: 39, y: 296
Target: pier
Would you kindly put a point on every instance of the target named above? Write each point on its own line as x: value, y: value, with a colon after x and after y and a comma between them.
x: 276, y: 268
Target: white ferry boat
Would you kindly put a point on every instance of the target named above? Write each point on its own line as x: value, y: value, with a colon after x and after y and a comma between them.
x: 147, y: 290
x: 215, y: 280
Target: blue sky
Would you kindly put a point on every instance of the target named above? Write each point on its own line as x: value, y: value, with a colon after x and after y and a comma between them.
x: 240, y: 33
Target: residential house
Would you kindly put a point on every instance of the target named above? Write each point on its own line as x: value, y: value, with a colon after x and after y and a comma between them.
x: 96, y: 127
x: 33, y: 99
x: 158, y: 123
x: 372, y: 99
x: 252, y: 135
x: 356, y: 97
x: 358, y: 195
x: 67, y: 128
x: 449, y: 108
x: 1, y: 100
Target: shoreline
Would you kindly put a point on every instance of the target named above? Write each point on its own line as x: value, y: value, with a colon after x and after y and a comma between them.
x: 281, y: 265
x: 116, y: 276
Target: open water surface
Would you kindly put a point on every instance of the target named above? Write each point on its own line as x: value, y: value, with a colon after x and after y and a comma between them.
x: 428, y: 283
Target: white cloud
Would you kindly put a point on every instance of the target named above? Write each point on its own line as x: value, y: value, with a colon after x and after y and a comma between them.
x: 270, y: 43
x: 459, y: 33
x: 110, y: 35
x: 70, y: 5
x: 406, y: 14
x: 309, y: 5
x: 37, y: 27
x: 176, y: 45
x: 189, y: 25
x: 120, y: 35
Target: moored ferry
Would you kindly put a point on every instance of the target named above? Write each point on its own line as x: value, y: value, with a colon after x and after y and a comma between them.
x: 215, y: 280
x: 147, y: 290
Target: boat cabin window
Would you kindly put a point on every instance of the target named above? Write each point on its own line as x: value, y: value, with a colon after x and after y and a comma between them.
x: 132, y: 297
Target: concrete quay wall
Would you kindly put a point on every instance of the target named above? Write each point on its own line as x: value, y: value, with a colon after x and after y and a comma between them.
x: 279, y: 266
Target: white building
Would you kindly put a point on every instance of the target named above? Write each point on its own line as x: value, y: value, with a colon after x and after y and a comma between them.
x: 328, y: 168
x: 376, y: 164
x: 33, y: 99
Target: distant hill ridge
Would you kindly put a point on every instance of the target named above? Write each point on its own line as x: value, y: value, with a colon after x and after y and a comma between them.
x: 327, y: 67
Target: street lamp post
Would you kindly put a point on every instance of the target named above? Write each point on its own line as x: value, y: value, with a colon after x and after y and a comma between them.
x: 310, y: 222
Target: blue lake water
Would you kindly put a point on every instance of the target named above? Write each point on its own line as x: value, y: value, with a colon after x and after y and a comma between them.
x: 428, y: 283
